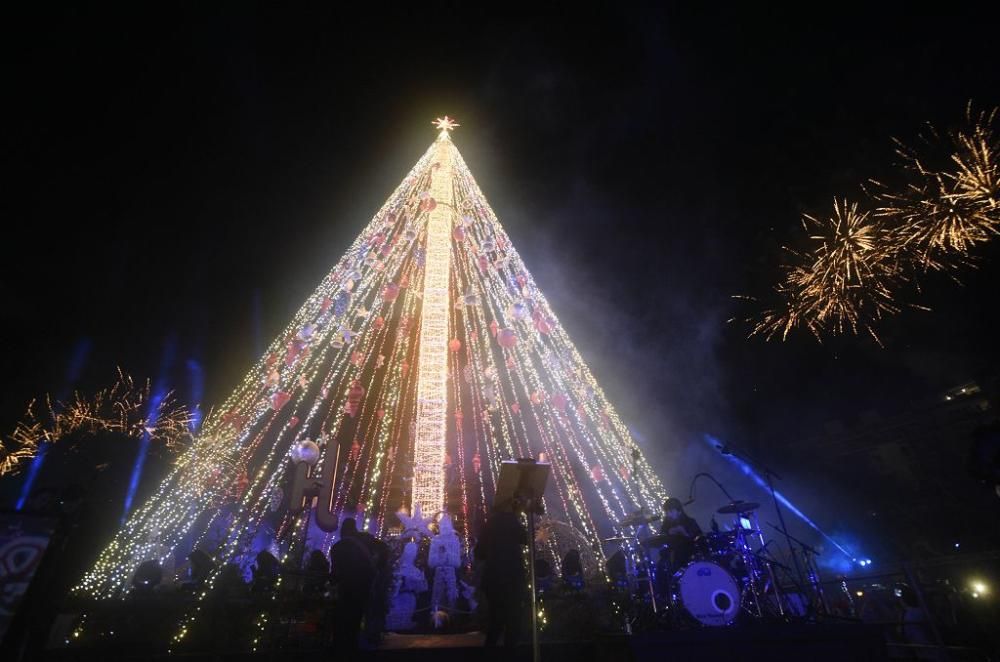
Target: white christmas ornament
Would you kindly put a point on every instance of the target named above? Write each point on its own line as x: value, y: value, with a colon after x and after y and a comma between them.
x: 305, y: 451
x: 518, y: 310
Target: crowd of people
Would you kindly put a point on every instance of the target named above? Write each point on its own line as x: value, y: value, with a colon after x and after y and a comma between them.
x: 354, y: 581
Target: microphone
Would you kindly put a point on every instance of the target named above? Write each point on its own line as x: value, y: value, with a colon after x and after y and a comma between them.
x: 689, y: 501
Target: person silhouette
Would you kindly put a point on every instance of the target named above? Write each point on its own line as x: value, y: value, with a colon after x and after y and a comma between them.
x: 501, y: 548
x: 353, y: 572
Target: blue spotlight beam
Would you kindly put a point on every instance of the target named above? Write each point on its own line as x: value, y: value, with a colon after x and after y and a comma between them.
x: 140, y: 460
x: 73, y: 370
x: 159, y: 392
x: 32, y: 475
x: 756, y: 478
x: 196, y: 381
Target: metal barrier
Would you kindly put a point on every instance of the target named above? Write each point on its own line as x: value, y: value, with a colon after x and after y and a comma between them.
x: 926, y: 613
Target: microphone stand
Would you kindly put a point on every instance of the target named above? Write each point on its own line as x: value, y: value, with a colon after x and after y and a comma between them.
x: 809, y: 553
x: 712, y: 478
x: 725, y: 449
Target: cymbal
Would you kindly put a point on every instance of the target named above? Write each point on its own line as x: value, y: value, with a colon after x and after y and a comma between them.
x: 618, y: 539
x: 738, y: 507
x: 656, y: 541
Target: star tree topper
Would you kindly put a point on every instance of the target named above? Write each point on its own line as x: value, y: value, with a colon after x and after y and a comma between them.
x: 445, y: 123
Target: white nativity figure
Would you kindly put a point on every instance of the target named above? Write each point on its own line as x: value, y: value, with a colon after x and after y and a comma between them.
x: 416, y: 526
x: 409, y: 581
x: 445, y: 558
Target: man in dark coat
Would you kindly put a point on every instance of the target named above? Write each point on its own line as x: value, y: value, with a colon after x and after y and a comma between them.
x: 381, y: 583
x: 353, y: 571
x: 504, y: 581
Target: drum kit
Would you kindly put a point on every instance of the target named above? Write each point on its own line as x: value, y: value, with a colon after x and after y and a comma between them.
x: 714, y: 580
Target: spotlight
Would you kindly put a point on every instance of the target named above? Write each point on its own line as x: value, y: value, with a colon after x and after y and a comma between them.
x: 979, y: 588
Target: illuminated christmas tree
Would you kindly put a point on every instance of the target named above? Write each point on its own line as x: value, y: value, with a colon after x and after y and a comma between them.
x: 425, y: 358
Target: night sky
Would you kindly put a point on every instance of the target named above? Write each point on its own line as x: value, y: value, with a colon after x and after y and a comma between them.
x: 180, y: 180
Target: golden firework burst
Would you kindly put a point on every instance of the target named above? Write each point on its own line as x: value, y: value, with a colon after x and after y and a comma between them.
x: 122, y: 408
x: 848, y: 279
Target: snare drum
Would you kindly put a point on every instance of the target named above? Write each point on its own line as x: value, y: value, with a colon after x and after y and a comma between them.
x: 707, y: 593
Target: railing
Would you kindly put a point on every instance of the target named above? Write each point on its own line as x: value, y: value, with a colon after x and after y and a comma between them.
x: 925, y: 612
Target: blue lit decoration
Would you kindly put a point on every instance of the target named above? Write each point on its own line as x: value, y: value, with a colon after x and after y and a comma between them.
x: 196, y: 381
x: 76, y: 363
x: 748, y: 471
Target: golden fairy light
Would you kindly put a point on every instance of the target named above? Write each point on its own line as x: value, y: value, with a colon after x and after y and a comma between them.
x: 432, y: 391
x: 122, y: 408
x: 932, y: 222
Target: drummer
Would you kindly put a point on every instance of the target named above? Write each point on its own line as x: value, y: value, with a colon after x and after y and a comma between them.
x: 680, y: 530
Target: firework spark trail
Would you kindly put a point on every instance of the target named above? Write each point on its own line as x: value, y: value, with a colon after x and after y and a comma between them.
x: 941, y: 216
x: 977, y: 160
x: 935, y: 227
x: 849, y: 280
x: 846, y: 279
x: 120, y: 408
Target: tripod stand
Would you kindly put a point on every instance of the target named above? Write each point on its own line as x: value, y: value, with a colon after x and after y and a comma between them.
x: 809, y: 555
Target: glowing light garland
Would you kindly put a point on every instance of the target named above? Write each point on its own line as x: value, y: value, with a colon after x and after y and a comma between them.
x: 432, y: 392
x: 424, y: 359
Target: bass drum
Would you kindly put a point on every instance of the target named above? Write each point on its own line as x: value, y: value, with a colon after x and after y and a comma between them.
x: 707, y: 592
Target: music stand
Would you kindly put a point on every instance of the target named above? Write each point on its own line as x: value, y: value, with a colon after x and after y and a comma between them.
x: 524, y: 482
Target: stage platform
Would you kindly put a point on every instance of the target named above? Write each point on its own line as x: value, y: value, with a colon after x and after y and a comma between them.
x: 813, y: 642
x: 816, y: 643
